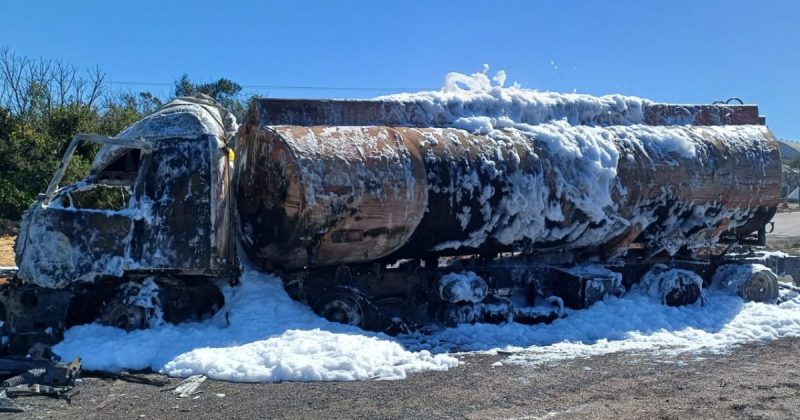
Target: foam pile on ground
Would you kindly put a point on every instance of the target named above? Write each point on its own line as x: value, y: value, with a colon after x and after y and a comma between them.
x: 634, y: 322
x: 272, y: 338
x: 261, y: 335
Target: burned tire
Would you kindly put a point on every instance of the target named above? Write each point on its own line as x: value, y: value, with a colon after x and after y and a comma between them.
x: 134, y: 306
x: 350, y: 307
x: 393, y: 316
x: 127, y: 317
x: 673, y: 286
x: 753, y: 282
x: 341, y: 308
x: 683, y: 294
x: 762, y: 286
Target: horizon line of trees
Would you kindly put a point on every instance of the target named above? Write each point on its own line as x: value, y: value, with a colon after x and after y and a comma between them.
x: 45, y: 102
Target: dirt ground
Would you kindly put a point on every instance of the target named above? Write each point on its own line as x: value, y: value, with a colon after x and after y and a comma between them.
x: 754, y: 381
x: 7, y: 251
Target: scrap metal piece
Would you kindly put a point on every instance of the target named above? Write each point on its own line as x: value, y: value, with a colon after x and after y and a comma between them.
x: 7, y: 405
x: 15, y: 365
x: 8, y: 271
x: 127, y: 377
x: 189, y: 386
x: 37, y: 389
x: 56, y: 374
x: 62, y: 374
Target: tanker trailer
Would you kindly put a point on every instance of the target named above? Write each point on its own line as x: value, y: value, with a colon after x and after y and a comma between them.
x: 395, y: 215
x: 375, y: 212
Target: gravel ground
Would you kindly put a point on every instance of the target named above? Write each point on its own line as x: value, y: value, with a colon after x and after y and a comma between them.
x: 753, y: 381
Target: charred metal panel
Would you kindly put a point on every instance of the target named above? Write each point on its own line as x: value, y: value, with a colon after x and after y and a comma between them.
x: 67, y: 245
x: 730, y: 185
x: 313, y: 112
x: 666, y: 199
x: 669, y: 114
x: 464, y: 174
x: 176, y: 232
x: 222, y: 230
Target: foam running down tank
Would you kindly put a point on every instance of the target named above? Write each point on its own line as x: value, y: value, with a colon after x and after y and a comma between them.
x: 553, y: 208
x: 403, y: 213
x: 323, y: 186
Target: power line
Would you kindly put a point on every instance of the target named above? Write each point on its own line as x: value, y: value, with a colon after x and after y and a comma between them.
x: 333, y: 87
x: 140, y: 83
x: 288, y: 87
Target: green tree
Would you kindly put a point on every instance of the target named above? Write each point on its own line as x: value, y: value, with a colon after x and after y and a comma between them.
x: 225, y: 91
x: 43, y: 104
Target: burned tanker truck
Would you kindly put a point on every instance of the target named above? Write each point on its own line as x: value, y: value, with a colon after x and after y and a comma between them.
x: 397, y: 215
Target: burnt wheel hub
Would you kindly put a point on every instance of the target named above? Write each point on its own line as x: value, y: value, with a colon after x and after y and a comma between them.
x: 342, y: 309
x: 762, y: 286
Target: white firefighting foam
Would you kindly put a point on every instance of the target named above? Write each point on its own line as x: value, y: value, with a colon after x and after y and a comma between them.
x: 263, y: 335
x: 584, y: 137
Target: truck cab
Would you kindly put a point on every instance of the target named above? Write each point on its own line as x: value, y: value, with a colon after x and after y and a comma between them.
x: 155, y: 205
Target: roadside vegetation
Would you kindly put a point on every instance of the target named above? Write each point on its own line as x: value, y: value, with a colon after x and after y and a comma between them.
x: 45, y: 102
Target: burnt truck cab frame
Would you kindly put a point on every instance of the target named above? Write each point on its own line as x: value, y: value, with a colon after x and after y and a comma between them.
x: 168, y: 220
x: 153, y: 210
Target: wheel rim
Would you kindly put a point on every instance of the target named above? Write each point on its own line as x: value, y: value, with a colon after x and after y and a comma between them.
x: 762, y: 286
x: 343, y: 310
x: 126, y: 317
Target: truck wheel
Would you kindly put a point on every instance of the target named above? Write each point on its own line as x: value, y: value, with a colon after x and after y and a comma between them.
x: 673, y: 286
x: 126, y: 317
x: 393, y: 315
x: 762, y: 286
x: 683, y: 294
x: 135, y: 306
x: 753, y: 282
x: 341, y: 307
x: 350, y: 307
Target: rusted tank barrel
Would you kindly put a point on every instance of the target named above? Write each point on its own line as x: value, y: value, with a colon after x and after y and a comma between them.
x: 330, y: 195
x: 327, y: 195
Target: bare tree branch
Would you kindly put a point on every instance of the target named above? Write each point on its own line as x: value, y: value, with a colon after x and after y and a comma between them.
x: 97, y: 81
x: 29, y: 87
x: 11, y: 71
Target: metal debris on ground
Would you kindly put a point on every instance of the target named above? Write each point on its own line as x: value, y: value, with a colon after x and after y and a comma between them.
x: 40, y: 373
x: 189, y: 386
x: 127, y: 377
x: 7, y: 405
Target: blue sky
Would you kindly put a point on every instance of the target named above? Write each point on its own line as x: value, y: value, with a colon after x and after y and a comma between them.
x: 672, y: 51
